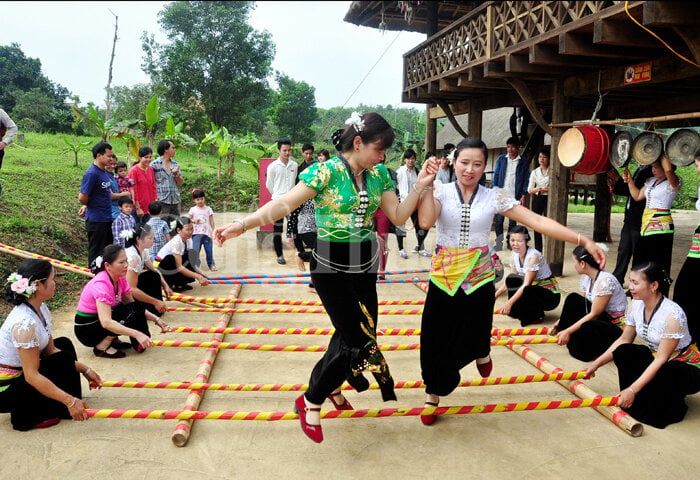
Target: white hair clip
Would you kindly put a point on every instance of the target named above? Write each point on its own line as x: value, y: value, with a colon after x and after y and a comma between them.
x: 98, y: 262
x: 356, y: 121
x: 126, y: 234
x: 173, y: 225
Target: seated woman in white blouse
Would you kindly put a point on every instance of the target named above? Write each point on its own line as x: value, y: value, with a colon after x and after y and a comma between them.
x: 591, y: 321
x: 654, y: 378
x: 532, y: 290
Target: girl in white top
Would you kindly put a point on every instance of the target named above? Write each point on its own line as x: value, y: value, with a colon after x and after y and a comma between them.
x: 656, y: 241
x: 39, y: 376
x: 203, y: 218
x: 458, y: 312
x: 177, y: 261
x: 538, y: 188
x: 146, y: 281
x: 591, y: 321
x: 654, y: 378
x: 532, y: 290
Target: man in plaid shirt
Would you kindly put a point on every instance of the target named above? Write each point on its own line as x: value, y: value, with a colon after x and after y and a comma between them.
x: 168, y: 179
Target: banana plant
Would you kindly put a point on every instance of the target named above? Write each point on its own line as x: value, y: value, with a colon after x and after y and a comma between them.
x: 75, y: 147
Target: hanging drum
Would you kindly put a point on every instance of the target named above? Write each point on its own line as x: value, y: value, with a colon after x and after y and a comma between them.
x: 647, y: 148
x: 585, y: 150
x: 682, y: 146
x: 620, y: 149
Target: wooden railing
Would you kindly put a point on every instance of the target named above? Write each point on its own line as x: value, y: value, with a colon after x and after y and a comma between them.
x: 489, y: 30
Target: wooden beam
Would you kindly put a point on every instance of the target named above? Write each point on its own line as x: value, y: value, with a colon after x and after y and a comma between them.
x: 663, y: 70
x: 474, y: 123
x: 495, y: 70
x: 449, y: 85
x: 457, y: 108
x: 524, y: 92
x: 450, y: 116
x: 549, y: 55
x: 622, y: 33
x: 521, y: 64
x: 577, y: 44
x: 670, y: 13
x: 691, y: 37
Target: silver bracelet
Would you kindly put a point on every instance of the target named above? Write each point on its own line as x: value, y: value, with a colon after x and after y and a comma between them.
x: 243, y: 224
x: 73, y: 403
x: 87, y: 372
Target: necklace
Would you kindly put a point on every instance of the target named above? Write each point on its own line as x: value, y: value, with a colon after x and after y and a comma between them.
x: 360, y: 172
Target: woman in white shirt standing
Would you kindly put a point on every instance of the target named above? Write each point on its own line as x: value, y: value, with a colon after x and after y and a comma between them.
x: 538, y: 188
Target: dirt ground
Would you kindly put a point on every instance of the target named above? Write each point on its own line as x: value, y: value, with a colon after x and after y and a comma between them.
x: 572, y: 443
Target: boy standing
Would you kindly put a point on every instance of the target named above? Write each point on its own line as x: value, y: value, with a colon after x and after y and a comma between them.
x: 161, y: 230
x: 123, y: 225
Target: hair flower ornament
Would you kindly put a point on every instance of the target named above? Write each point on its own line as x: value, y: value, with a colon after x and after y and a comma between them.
x: 356, y: 121
x: 98, y: 261
x: 126, y: 234
x: 173, y: 225
x: 21, y: 285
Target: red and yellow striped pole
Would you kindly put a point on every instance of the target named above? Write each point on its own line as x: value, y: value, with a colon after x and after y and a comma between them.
x: 273, y: 301
x: 283, y: 310
x: 330, y: 331
x: 69, y: 267
x: 367, y: 413
x: 300, y: 387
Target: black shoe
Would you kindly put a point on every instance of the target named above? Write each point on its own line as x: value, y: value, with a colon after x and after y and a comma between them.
x: 119, y: 345
x: 281, y: 260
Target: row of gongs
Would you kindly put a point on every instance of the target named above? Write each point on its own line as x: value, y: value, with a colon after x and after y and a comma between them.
x: 647, y: 148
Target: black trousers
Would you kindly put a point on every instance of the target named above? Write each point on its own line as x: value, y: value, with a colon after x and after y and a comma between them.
x: 99, y: 235
x: 684, y: 294
x: 656, y: 248
x: 277, y: 229
x: 149, y: 283
x: 594, y: 337
x: 420, y: 233
x: 533, y: 302
x: 170, y: 272
x: 662, y: 401
x: 89, y: 331
x: 629, y: 236
x: 455, y: 330
x: 27, y: 406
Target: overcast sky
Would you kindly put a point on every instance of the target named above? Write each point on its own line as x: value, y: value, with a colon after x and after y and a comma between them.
x: 73, y: 40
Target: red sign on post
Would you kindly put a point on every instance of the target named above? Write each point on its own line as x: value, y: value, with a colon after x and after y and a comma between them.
x: 638, y: 73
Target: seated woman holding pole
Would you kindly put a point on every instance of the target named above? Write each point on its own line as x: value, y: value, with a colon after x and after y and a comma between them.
x: 39, y: 375
x: 532, y: 290
x: 146, y: 281
x: 106, y: 309
x: 654, y: 378
x: 177, y: 260
x: 591, y: 321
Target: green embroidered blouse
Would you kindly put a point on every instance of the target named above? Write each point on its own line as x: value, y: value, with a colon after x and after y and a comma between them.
x: 342, y: 213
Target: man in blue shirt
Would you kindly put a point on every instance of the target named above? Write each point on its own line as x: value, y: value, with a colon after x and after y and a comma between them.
x: 96, y: 195
x: 512, y: 174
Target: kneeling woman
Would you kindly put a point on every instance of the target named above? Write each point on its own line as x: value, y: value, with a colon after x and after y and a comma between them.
x: 591, y: 322
x: 654, y: 378
x: 177, y: 260
x: 532, y: 290
x: 106, y: 309
x: 39, y: 376
x: 145, y: 279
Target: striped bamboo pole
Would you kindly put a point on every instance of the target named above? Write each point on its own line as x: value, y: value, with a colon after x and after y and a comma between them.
x: 288, y: 281
x: 300, y: 387
x: 613, y: 413
x: 330, y: 331
x: 183, y: 429
x: 273, y: 301
x: 284, y: 310
x: 69, y: 267
x: 300, y: 275
x: 321, y: 348
x: 374, y: 413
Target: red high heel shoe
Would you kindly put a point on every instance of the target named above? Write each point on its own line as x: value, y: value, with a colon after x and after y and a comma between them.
x: 314, y: 432
x: 485, y: 368
x: 429, y: 419
x: 340, y: 406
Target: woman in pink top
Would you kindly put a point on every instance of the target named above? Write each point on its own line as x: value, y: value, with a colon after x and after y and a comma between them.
x: 106, y: 309
x: 144, y: 182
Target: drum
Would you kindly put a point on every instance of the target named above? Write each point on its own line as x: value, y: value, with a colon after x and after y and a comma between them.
x: 620, y: 149
x: 585, y: 150
x: 647, y: 148
x: 682, y: 146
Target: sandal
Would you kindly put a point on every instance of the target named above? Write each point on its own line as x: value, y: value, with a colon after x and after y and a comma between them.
x: 105, y: 354
x: 314, y: 432
x: 340, y: 406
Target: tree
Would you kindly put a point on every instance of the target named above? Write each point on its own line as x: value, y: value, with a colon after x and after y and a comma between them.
x: 294, y: 108
x: 214, y: 55
x: 23, y: 83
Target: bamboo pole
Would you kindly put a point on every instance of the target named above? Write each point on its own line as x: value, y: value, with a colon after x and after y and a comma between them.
x: 376, y: 413
x: 300, y: 387
x: 69, y: 267
x: 183, y: 429
x: 613, y: 413
x: 330, y: 331
x: 283, y: 310
x: 274, y: 301
x: 662, y: 118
